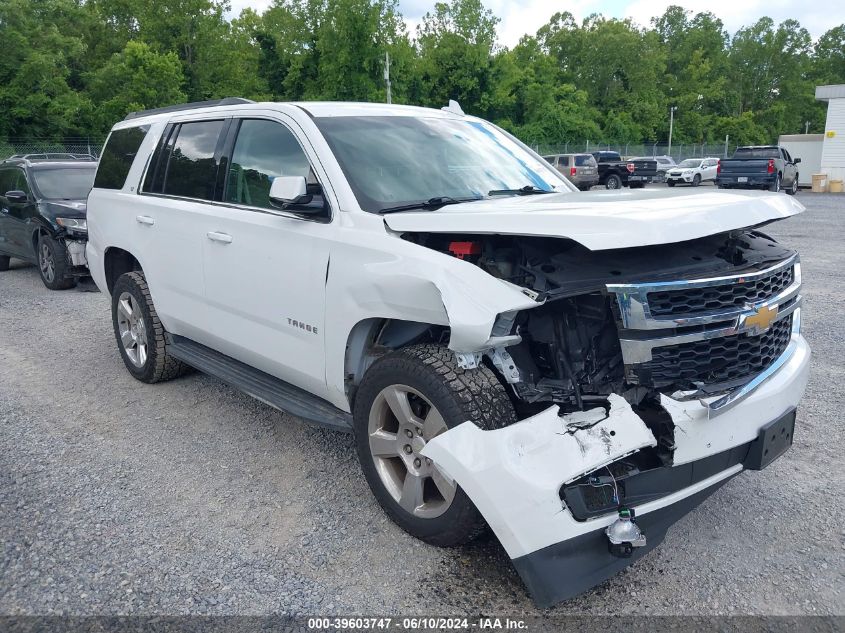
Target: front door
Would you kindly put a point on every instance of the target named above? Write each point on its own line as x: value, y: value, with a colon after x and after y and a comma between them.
x: 14, y: 216
x: 265, y: 268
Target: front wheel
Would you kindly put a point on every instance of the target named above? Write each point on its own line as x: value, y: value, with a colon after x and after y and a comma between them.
x: 671, y: 183
x: 139, y: 332
x: 4, y: 262
x: 696, y: 180
x: 53, y: 263
x: 613, y: 182
x: 407, y: 398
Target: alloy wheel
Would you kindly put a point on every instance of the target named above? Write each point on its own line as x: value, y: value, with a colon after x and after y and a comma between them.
x: 46, y: 262
x: 132, y: 329
x: 401, y: 421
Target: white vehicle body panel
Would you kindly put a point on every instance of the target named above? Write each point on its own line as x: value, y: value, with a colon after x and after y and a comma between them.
x: 513, y: 475
x: 603, y: 220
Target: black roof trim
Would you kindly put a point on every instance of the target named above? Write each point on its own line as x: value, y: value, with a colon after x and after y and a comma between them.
x: 189, y: 106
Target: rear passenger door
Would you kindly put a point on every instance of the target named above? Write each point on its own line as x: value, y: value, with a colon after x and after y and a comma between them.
x: 266, y: 268
x: 169, y: 219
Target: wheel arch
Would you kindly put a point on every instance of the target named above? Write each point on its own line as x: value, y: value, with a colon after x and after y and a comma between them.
x: 116, y: 262
x: 373, y: 337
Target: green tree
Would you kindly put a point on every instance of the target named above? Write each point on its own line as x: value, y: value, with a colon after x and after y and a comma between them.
x: 137, y: 78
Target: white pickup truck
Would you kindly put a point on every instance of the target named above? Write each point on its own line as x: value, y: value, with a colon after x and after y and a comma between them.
x: 574, y: 370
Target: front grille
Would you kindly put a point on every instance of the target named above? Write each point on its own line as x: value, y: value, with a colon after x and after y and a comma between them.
x: 691, y: 301
x: 717, y: 360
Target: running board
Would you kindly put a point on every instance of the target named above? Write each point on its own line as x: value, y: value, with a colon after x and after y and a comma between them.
x: 261, y: 386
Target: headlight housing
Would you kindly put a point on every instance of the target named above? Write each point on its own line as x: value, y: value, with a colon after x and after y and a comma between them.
x: 77, y: 225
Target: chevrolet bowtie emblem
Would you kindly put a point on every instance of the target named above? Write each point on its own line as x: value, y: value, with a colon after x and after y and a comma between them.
x: 761, y: 320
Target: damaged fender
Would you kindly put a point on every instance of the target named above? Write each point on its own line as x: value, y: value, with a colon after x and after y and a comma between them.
x: 513, y: 474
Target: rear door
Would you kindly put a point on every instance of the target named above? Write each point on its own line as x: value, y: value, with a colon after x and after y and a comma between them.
x: 266, y: 268
x: 169, y: 219
x: 708, y: 168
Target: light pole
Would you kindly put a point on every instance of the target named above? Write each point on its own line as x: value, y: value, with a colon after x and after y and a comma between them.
x: 671, y: 125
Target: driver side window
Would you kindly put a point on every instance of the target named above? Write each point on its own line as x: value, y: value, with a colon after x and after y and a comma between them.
x: 265, y: 150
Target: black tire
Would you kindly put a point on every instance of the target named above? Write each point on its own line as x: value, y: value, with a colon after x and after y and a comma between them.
x: 696, y: 180
x: 636, y: 185
x: 158, y: 365
x: 458, y: 395
x: 613, y: 181
x: 671, y: 183
x: 775, y: 186
x: 53, y: 263
x: 793, y: 188
x: 4, y: 262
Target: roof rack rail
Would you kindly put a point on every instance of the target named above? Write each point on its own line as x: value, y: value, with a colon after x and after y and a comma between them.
x: 189, y: 106
x: 52, y: 156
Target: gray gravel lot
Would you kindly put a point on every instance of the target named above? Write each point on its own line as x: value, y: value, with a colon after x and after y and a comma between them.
x: 190, y: 498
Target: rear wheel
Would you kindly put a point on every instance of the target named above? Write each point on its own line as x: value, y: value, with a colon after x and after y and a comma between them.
x: 775, y: 186
x: 613, y: 182
x: 405, y: 399
x: 53, y: 264
x: 139, y: 332
x: 793, y: 188
x: 4, y: 262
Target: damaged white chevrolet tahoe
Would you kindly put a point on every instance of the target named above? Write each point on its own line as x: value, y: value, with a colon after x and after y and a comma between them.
x: 576, y: 370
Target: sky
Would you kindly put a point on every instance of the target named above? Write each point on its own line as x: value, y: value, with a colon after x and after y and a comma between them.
x: 519, y: 17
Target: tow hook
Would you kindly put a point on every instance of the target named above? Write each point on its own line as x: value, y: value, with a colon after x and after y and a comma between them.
x: 624, y: 535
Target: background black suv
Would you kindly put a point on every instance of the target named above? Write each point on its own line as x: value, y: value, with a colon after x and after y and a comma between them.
x: 42, y: 214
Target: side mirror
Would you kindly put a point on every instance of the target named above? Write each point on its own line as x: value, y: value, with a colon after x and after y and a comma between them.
x: 288, y: 190
x: 16, y: 196
x: 796, y: 161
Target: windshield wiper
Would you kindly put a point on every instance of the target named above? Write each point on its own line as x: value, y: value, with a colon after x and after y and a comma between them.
x: 527, y: 190
x: 431, y: 204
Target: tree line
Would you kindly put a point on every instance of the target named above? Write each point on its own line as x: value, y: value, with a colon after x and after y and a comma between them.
x: 75, y: 67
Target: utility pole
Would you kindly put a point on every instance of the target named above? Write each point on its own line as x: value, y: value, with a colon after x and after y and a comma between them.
x: 387, y: 75
x: 671, y: 125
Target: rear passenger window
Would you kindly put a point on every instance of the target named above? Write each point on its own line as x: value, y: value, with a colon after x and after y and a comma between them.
x: 564, y: 161
x: 191, y: 170
x: 118, y: 154
x: 263, y: 151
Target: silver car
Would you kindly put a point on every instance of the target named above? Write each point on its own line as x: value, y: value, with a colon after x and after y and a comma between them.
x: 579, y: 169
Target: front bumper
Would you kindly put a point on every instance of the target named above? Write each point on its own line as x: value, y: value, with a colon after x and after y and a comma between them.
x: 514, y: 475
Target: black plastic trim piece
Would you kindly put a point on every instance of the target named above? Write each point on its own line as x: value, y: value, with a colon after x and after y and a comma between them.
x: 564, y: 570
x: 179, y: 107
x: 261, y: 386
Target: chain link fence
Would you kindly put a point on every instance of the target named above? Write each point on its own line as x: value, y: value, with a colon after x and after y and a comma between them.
x: 23, y: 146
x: 679, y: 151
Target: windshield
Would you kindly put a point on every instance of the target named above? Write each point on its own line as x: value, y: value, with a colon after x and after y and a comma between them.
x: 690, y: 163
x: 68, y: 183
x: 397, y: 160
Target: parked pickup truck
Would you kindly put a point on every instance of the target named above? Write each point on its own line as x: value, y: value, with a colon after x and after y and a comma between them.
x: 576, y: 371
x: 767, y: 166
x: 615, y: 173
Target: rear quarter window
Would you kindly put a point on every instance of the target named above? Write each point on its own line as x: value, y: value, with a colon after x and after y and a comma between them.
x: 118, y: 155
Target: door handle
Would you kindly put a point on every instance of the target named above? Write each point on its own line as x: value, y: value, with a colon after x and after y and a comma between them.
x: 145, y: 219
x: 223, y: 238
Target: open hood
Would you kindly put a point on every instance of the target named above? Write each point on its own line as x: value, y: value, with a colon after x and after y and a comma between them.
x: 603, y: 220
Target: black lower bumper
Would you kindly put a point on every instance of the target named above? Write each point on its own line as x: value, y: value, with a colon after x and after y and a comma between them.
x: 563, y: 570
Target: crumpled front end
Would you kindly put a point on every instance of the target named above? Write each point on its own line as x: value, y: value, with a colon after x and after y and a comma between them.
x: 550, y: 485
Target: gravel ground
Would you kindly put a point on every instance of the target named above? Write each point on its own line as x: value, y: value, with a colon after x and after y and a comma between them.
x: 190, y: 498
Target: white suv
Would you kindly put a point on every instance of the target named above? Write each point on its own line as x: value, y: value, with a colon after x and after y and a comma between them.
x: 693, y: 171
x: 576, y: 370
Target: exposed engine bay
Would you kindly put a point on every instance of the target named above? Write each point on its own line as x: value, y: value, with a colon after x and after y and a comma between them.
x: 569, y: 352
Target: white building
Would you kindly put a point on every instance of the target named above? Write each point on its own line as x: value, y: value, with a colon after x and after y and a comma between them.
x: 833, y: 150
